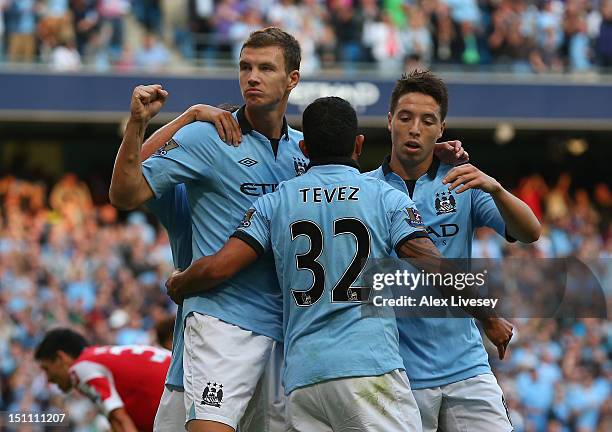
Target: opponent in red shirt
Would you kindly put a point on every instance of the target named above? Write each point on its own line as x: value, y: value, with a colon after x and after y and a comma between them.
x: 125, y: 382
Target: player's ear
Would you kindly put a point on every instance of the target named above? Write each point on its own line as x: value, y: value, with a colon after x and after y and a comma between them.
x: 359, y: 139
x: 303, y: 148
x: 294, y: 79
x: 389, y: 117
x: 442, y: 126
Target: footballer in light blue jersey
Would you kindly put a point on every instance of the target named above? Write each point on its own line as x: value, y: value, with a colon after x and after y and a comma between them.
x: 322, y: 227
x: 221, y: 182
x: 444, y: 358
x: 439, y: 351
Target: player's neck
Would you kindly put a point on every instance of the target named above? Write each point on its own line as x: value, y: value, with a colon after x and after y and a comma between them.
x: 268, y: 123
x: 408, y: 171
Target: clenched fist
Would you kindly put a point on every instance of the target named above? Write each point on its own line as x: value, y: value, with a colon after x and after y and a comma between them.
x: 146, y: 102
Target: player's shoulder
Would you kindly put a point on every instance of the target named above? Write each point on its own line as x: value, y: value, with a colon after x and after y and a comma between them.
x: 376, y: 173
x: 197, y: 133
x: 387, y: 194
x: 294, y: 134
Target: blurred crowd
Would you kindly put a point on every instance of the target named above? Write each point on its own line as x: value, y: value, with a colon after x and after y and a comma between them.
x: 67, y: 261
x: 385, y: 35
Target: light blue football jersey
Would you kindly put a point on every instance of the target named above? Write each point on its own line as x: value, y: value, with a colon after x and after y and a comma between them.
x: 440, y: 351
x: 172, y: 211
x: 322, y: 227
x: 221, y: 183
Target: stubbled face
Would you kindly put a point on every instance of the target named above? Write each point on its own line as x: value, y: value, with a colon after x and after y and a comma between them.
x: 263, y: 80
x: 415, y: 127
x: 57, y: 372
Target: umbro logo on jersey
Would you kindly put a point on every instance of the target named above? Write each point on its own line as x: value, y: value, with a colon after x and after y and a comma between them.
x: 445, y: 203
x: 247, y: 162
x: 212, y: 395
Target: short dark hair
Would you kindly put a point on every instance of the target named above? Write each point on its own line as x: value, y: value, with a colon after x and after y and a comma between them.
x: 164, y: 330
x: 421, y: 82
x: 330, y: 127
x: 273, y: 36
x: 60, y: 339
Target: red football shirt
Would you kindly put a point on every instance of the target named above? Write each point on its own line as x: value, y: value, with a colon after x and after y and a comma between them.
x: 130, y: 376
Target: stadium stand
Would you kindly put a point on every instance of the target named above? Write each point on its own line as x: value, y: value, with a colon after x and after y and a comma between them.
x: 519, y: 36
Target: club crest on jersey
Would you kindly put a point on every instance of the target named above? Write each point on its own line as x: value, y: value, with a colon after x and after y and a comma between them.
x: 414, y: 218
x: 300, y: 165
x: 445, y: 203
x: 212, y: 395
x: 246, y: 220
x: 163, y: 151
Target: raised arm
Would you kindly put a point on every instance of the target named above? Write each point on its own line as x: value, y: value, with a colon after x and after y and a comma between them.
x: 128, y: 187
x: 427, y: 257
x: 209, y: 271
x: 226, y: 125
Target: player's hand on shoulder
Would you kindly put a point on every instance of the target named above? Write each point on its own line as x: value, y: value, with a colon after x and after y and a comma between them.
x: 499, y: 332
x: 467, y: 176
x: 146, y: 102
x: 451, y: 152
x: 225, y: 123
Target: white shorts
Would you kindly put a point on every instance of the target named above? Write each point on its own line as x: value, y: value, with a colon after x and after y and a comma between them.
x: 170, y: 414
x: 266, y: 410
x: 222, y: 365
x: 475, y: 405
x: 374, y: 403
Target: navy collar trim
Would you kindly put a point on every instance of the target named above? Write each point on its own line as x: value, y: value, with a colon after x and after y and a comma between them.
x: 334, y: 160
x: 432, y: 171
x: 246, y: 127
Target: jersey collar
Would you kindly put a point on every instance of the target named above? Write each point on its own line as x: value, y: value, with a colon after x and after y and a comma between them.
x: 334, y: 160
x: 432, y: 171
x: 246, y: 127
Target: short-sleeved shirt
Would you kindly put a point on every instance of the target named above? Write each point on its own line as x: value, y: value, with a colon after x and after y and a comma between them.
x: 322, y: 227
x: 221, y: 183
x: 129, y: 376
x: 440, y: 351
x: 172, y: 211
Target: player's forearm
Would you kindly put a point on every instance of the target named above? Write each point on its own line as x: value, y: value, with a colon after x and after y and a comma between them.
x: 165, y: 133
x: 121, y: 422
x: 202, y: 275
x: 128, y: 186
x: 520, y: 221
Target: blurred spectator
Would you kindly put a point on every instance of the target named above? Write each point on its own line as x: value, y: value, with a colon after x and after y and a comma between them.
x: 148, y: 13
x: 21, y: 30
x: 603, y: 46
x: 250, y: 21
x: 152, y: 55
x: 65, y: 57
x: 112, y: 13
x: 347, y: 25
x: 85, y: 22
x: 3, y: 5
